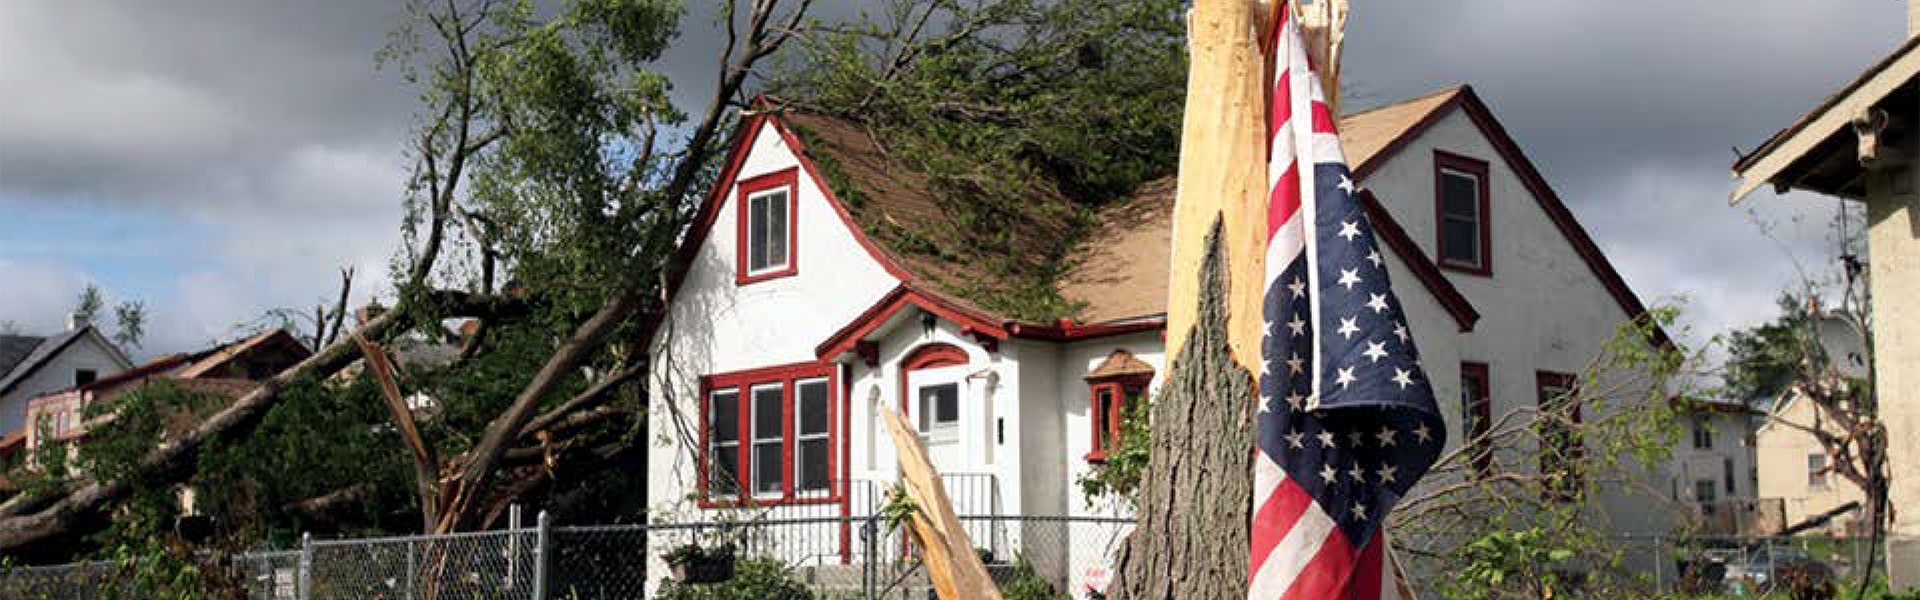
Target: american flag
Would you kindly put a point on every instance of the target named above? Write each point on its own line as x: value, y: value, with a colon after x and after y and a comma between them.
x: 1347, y: 418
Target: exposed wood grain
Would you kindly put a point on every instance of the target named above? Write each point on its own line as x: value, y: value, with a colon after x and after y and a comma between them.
x: 948, y: 551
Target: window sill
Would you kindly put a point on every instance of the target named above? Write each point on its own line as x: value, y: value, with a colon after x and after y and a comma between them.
x: 1096, y: 457
x: 741, y: 279
x: 767, y: 502
x: 1481, y: 271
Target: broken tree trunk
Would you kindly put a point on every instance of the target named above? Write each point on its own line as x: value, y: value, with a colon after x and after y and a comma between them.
x: 951, y: 563
x: 1190, y: 540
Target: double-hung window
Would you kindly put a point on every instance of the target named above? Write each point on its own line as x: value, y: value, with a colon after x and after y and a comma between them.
x: 813, y: 448
x: 1817, y: 470
x: 1476, y: 412
x: 766, y: 227
x: 1461, y: 206
x: 723, y: 443
x: 769, y: 439
x: 1702, y: 434
x: 769, y: 435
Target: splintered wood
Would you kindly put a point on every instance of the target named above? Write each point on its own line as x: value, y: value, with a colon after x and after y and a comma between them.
x: 947, y: 552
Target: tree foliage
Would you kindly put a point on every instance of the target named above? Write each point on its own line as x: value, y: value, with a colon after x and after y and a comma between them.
x: 996, y: 102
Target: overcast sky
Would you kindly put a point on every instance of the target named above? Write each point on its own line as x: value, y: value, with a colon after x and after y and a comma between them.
x: 220, y: 158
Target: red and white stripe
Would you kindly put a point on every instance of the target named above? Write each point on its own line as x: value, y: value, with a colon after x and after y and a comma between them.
x: 1297, y: 551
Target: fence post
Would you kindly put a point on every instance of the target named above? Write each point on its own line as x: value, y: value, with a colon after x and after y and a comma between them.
x: 541, y: 545
x: 305, y: 591
x: 413, y: 571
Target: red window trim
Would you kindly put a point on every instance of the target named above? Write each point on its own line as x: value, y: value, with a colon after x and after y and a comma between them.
x: 1480, y: 410
x: 743, y: 382
x: 1576, y: 453
x: 930, y: 356
x: 1119, y: 385
x: 1444, y: 161
x: 788, y: 178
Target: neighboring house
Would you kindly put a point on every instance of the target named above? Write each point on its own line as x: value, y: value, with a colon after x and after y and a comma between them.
x: 31, y: 366
x: 226, y: 371
x: 1859, y: 144
x: 1795, y: 469
x: 1713, y: 469
x: 804, y: 301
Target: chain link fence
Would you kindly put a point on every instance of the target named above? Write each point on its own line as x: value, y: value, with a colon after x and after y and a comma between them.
x: 835, y: 557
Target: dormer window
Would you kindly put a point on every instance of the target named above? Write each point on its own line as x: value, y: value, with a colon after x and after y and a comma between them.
x: 1116, y: 386
x: 766, y: 228
x: 1465, y: 234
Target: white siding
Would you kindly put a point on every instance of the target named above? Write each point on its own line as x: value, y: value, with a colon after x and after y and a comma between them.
x: 88, y: 352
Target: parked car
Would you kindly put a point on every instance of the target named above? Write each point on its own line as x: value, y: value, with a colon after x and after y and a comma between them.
x: 1766, y: 567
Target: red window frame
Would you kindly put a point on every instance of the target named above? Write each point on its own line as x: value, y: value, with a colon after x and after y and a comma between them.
x: 1575, y: 451
x: 1479, y: 414
x: 788, y: 179
x: 1121, y: 390
x: 743, y: 382
x: 1442, y: 163
x: 930, y: 356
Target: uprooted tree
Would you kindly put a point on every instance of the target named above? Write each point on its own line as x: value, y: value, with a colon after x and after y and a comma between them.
x: 543, y: 168
x: 551, y: 179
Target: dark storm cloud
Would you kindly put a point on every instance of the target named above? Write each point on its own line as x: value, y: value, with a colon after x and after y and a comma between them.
x: 1630, y: 109
x: 220, y: 103
x: 249, y: 114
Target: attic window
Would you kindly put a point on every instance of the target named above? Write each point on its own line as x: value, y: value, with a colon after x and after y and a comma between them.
x: 766, y: 227
x: 1461, y: 213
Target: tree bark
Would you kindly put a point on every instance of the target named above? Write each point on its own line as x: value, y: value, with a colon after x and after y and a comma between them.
x: 1195, y: 495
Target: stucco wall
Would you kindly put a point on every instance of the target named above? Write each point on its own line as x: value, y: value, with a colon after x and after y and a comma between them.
x: 1893, y: 216
x: 1542, y: 308
x: 715, y: 326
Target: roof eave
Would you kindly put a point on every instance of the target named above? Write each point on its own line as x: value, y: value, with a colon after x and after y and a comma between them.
x: 1791, y: 145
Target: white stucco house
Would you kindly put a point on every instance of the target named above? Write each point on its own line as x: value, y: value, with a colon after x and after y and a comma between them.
x: 32, y: 365
x: 805, y: 300
x: 1714, y: 470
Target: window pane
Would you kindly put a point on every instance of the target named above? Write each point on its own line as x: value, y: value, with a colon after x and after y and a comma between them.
x: 1726, y: 473
x: 1460, y: 241
x: 812, y: 467
x: 723, y: 475
x: 766, y: 413
x: 757, y: 233
x: 766, y: 468
x: 1102, y: 414
x: 725, y: 417
x: 812, y: 406
x: 777, y: 229
x: 1460, y: 196
x: 940, y: 403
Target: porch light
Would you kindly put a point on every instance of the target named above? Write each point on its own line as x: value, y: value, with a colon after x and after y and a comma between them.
x: 927, y: 323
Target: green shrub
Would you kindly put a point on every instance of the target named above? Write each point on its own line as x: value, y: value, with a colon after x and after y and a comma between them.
x: 753, y: 579
x: 1026, y: 585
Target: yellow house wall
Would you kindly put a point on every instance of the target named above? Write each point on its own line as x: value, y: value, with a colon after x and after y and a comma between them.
x: 1781, y: 453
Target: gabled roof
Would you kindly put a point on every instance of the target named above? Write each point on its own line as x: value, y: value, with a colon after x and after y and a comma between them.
x: 14, y: 350
x: 1413, y: 117
x: 275, y: 349
x: 1118, y: 269
x: 1818, y: 152
x: 53, y: 346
